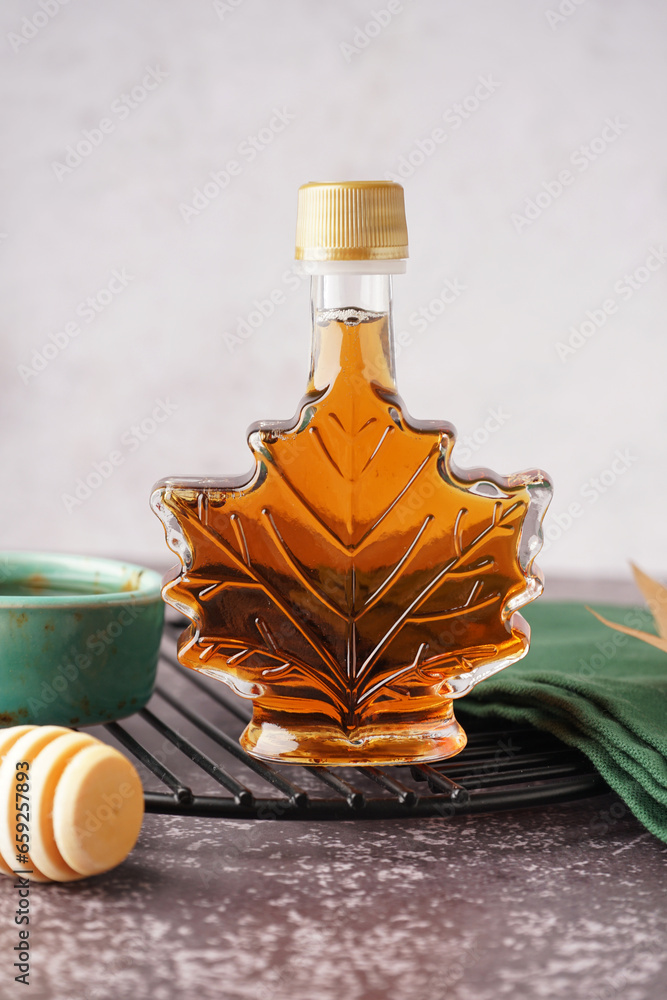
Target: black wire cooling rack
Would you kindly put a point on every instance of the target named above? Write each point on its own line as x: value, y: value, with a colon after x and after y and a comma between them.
x: 187, y: 739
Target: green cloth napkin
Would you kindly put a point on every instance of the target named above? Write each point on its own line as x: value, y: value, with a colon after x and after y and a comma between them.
x: 596, y: 689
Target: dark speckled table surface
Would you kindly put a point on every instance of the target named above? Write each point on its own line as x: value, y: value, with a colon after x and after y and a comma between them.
x: 554, y: 902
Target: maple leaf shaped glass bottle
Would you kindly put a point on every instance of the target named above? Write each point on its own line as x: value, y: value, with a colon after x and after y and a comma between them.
x: 355, y: 582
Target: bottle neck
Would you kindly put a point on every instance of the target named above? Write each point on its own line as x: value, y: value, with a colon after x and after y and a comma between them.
x: 353, y: 337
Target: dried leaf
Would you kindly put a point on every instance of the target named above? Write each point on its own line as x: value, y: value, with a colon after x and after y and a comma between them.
x: 656, y: 598
x: 652, y: 640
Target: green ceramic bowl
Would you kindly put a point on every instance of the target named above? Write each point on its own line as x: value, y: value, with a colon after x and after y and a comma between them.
x: 79, y: 638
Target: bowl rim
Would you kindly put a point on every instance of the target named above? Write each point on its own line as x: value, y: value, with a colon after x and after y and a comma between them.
x: 21, y: 564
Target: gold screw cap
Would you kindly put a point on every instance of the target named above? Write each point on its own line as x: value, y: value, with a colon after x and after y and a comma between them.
x: 351, y: 220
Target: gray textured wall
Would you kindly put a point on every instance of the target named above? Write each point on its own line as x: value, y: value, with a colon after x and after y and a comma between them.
x: 352, y: 103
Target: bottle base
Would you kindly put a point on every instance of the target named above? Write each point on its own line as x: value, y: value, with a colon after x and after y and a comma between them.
x: 368, y: 745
